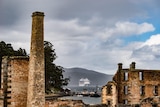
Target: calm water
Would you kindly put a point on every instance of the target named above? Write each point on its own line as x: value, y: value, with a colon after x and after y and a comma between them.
x: 86, y: 100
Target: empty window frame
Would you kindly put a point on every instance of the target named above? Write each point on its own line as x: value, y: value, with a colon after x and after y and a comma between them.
x: 109, y: 89
x: 125, y: 101
x: 137, y: 105
x: 125, y: 89
x: 125, y: 75
x: 154, y: 105
x: 142, y: 90
x: 109, y: 102
x: 141, y: 75
x: 155, y: 90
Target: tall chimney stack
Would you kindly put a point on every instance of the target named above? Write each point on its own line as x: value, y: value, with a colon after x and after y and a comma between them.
x: 132, y: 66
x: 120, y: 66
x: 36, y: 76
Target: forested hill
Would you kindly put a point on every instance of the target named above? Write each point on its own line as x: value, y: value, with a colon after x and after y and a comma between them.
x: 96, y: 78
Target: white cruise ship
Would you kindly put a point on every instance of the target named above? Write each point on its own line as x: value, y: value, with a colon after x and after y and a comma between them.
x: 84, y: 82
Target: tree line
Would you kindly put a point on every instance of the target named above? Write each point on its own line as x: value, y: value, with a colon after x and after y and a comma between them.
x: 53, y: 74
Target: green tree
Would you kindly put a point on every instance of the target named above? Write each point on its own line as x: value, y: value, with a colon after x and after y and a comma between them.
x: 20, y: 52
x: 7, y: 50
x: 53, y: 73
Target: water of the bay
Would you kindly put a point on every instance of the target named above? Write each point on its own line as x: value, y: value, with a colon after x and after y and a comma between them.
x: 86, y: 100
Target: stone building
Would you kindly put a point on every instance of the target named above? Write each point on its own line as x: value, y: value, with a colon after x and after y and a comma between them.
x: 130, y: 86
x: 14, y: 81
x: 110, y: 94
x: 23, y: 79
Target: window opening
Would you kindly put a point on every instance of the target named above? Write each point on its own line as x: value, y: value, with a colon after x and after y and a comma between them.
x: 140, y: 75
x: 155, y: 90
x: 125, y: 76
x: 109, y: 89
x: 125, y: 89
x: 142, y: 90
x: 154, y: 105
x: 137, y: 105
x: 109, y: 102
x: 125, y: 101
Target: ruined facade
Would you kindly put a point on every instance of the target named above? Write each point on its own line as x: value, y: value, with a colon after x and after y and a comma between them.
x: 14, y: 81
x: 151, y: 102
x: 131, y: 86
x: 23, y: 82
x: 23, y: 78
x: 110, y: 94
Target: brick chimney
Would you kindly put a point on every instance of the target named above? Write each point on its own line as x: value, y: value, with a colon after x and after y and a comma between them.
x: 36, y: 76
x: 132, y: 66
x: 120, y: 66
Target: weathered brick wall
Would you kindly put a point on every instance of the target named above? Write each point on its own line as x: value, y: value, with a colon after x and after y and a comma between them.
x: 132, y: 81
x: 1, y: 103
x: 151, y: 102
x: 17, y: 81
x: 112, y: 96
x: 150, y: 79
x: 36, y: 78
x: 104, y: 94
x: 133, y: 84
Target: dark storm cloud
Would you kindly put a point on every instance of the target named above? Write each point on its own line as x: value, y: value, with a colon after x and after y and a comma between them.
x: 8, y: 13
x: 147, y: 53
x: 106, y: 11
x: 89, y: 31
x: 84, y: 10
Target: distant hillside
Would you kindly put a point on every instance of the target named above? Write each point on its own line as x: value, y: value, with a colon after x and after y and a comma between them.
x: 96, y: 78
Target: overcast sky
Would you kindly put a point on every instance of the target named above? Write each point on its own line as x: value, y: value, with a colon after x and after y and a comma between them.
x: 92, y: 34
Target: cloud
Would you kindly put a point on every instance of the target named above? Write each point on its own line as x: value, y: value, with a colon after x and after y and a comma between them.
x: 66, y: 29
x: 86, y: 33
x: 92, y: 51
x: 70, y: 9
x: 153, y: 40
x: 126, y: 29
x: 147, y: 53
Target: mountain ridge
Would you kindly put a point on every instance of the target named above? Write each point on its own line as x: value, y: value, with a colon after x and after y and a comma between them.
x: 95, y: 77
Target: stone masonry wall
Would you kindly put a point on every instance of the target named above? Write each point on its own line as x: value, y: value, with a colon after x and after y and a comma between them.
x: 104, y: 95
x: 134, y: 85
x: 109, y: 98
x: 36, y: 78
x: 19, y: 80
x: 151, y: 102
x: 17, y: 73
x: 135, y: 94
